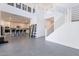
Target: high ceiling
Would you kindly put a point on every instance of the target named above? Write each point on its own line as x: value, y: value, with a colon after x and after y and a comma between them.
x: 49, y: 6
x: 41, y: 6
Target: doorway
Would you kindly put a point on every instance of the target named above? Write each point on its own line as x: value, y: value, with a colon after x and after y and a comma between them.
x: 49, y: 26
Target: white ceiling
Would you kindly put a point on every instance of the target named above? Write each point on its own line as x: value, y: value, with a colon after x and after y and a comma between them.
x: 41, y: 6
x: 49, y: 6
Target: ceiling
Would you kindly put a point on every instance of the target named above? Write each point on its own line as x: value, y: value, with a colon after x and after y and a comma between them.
x: 14, y: 18
x: 49, y: 6
x: 41, y: 6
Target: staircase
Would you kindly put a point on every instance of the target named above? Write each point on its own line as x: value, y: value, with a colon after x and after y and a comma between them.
x: 67, y: 34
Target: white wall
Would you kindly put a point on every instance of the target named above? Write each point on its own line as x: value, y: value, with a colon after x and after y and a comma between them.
x: 59, y: 18
x: 38, y: 18
x: 40, y: 24
x: 68, y: 33
x: 14, y: 10
x: 34, y: 19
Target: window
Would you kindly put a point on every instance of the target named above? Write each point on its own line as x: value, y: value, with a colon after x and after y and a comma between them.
x: 12, y: 4
x: 24, y: 7
x: 33, y: 10
x: 18, y: 5
x: 29, y: 9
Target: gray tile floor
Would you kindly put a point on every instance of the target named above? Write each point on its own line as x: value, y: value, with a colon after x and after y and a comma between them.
x: 23, y: 46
